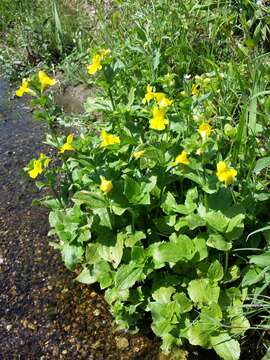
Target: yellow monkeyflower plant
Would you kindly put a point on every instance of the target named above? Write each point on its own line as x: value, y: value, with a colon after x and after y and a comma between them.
x: 37, y: 169
x: 24, y: 88
x: 160, y: 97
x: 45, y: 80
x: 106, y: 185
x: 149, y: 94
x: 67, y: 145
x: 158, y: 121
x: 195, y: 91
x: 108, y: 139
x: 181, y: 159
x: 95, y: 65
x: 225, y: 174
x: 204, y: 130
x: 38, y: 166
x: 162, y: 100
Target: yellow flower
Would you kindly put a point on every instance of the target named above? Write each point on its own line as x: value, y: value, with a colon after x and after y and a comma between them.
x: 162, y: 100
x: 138, y: 154
x: 37, y: 169
x: 195, y: 89
x: 150, y: 95
x: 68, y: 144
x: 204, y: 130
x: 45, y: 80
x: 43, y: 158
x: 24, y: 88
x: 158, y: 120
x: 108, y: 139
x: 225, y: 174
x: 181, y: 159
x: 96, y: 64
x: 104, y: 53
x: 106, y: 185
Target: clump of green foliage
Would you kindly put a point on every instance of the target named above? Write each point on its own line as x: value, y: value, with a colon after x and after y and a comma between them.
x: 164, y: 202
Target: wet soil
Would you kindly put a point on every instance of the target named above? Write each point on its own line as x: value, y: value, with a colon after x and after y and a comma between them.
x: 44, y: 314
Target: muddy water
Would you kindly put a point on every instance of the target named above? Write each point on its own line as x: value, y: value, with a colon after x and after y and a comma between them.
x: 44, y: 314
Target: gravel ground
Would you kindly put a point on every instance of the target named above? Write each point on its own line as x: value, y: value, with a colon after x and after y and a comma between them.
x: 44, y: 314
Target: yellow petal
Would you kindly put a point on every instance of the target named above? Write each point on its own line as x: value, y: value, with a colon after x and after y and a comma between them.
x: 225, y: 174
x: 70, y: 138
x: 158, y: 120
x: 37, y: 169
x: 96, y: 65
x: 162, y: 100
x: 45, y: 80
x: 108, y: 139
x: 204, y: 130
x: 106, y: 185
x: 182, y: 158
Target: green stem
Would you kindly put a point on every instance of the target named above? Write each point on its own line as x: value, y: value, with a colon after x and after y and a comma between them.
x: 226, y: 261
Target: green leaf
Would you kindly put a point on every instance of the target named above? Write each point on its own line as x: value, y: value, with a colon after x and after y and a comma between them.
x: 86, y: 277
x: 200, y: 248
x: 92, y: 199
x: 181, y: 249
x: 217, y: 241
x: 103, y: 273
x: 163, y: 294
x: 104, y: 217
x: 97, y: 104
x: 127, y: 275
x: 114, y: 253
x: 132, y: 239
x: 199, y: 334
x: 191, y: 196
x: 183, y: 301
x: 139, y: 192
x: 215, y: 271
x: 254, y: 275
x: 203, y: 292
x: 235, y: 227
x: 226, y: 347
x: 169, y: 205
x: 91, y: 253
x: 217, y: 221
x: 261, y: 260
x: 131, y: 97
x: 261, y: 164
x: 194, y: 221
x: 71, y: 255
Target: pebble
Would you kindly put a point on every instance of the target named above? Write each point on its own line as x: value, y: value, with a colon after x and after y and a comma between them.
x: 121, y: 343
x: 8, y: 327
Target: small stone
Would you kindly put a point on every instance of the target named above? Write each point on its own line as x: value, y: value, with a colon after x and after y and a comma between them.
x: 96, y: 312
x: 8, y: 327
x: 96, y: 344
x: 121, y: 343
x: 1, y: 260
x: 64, y: 352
